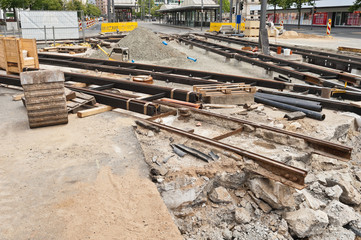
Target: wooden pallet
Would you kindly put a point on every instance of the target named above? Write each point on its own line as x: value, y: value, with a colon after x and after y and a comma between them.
x: 74, y: 49
x: 239, y: 93
x: 81, y: 100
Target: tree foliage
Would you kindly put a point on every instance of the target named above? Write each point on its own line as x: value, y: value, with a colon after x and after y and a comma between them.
x: 226, y: 5
x: 356, y: 5
x: 74, y: 5
x: 46, y: 5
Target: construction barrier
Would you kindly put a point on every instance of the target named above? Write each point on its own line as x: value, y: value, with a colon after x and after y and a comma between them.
x: 214, y: 26
x: 328, y: 32
x: 121, y: 26
x: 89, y: 22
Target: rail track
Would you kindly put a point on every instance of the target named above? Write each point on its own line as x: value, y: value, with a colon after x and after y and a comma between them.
x: 325, y: 59
x: 270, y: 63
x: 184, y: 76
x: 275, y: 169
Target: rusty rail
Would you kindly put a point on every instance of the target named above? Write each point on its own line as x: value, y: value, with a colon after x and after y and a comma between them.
x: 292, y: 176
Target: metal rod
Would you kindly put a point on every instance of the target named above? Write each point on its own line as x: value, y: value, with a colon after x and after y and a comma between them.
x: 54, y: 35
x: 291, y: 176
x: 46, y: 41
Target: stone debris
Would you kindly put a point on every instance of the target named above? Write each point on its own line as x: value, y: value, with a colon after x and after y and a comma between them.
x: 242, y: 216
x: 334, y: 192
x: 220, y: 195
x: 306, y: 222
x: 277, y: 195
x: 295, y: 115
x: 335, y: 233
x: 340, y: 214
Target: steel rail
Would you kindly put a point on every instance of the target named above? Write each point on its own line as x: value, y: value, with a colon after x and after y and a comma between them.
x: 323, y: 147
x: 117, y: 101
x: 278, y: 64
x: 183, y: 76
x: 178, y: 75
x: 330, y: 60
x: 174, y: 93
x: 291, y: 176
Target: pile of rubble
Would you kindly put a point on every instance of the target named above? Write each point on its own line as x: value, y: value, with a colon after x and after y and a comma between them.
x: 145, y: 45
x: 223, y: 199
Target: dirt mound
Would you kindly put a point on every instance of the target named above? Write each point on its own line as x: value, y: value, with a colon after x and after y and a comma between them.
x: 144, y: 45
x: 294, y: 34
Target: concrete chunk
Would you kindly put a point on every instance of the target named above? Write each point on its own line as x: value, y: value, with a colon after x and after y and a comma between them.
x: 306, y: 222
x: 295, y: 115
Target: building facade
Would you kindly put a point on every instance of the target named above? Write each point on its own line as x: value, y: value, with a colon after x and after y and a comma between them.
x: 102, y: 5
x: 317, y: 15
x: 189, y: 13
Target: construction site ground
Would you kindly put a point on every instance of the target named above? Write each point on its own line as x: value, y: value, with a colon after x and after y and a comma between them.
x: 89, y: 179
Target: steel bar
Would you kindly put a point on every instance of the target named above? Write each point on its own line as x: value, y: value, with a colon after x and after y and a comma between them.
x: 226, y: 135
x: 113, y: 100
x: 177, y: 75
x: 325, y: 147
x: 192, y: 74
x: 174, y: 93
x: 166, y: 73
x: 251, y: 57
x: 307, y: 104
x: 292, y: 176
x: 291, y: 108
x: 326, y: 59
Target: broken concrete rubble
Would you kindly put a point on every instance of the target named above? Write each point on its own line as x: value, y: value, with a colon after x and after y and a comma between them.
x: 275, y: 194
x: 242, y: 216
x: 220, y: 195
x: 350, y: 195
x: 306, y: 222
x: 335, y: 233
x: 340, y: 214
x: 295, y: 115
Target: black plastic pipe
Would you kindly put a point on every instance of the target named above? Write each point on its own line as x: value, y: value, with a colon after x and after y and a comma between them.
x: 309, y: 113
x: 311, y: 105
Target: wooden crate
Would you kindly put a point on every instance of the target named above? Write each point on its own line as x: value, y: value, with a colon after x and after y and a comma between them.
x: 2, y: 54
x: 251, y: 32
x: 251, y: 24
x: 15, y: 61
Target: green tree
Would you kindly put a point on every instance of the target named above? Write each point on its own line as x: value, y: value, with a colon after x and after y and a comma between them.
x: 144, y: 4
x: 92, y: 10
x: 226, y: 5
x: 154, y: 10
x: 298, y: 4
x: 46, y: 5
x: 9, y: 5
x: 356, y: 5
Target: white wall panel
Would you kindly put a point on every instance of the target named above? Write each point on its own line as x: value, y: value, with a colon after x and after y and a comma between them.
x: 65, y: 24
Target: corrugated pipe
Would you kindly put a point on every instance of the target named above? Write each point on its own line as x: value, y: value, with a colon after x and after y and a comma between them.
x: 311, y: 105
x: 309, y: 113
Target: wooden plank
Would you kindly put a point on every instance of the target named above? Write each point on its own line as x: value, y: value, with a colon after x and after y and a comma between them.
x: 228, y: 134
x: 348, y: 49
x: 93, y: 111
x: 18, y: 97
